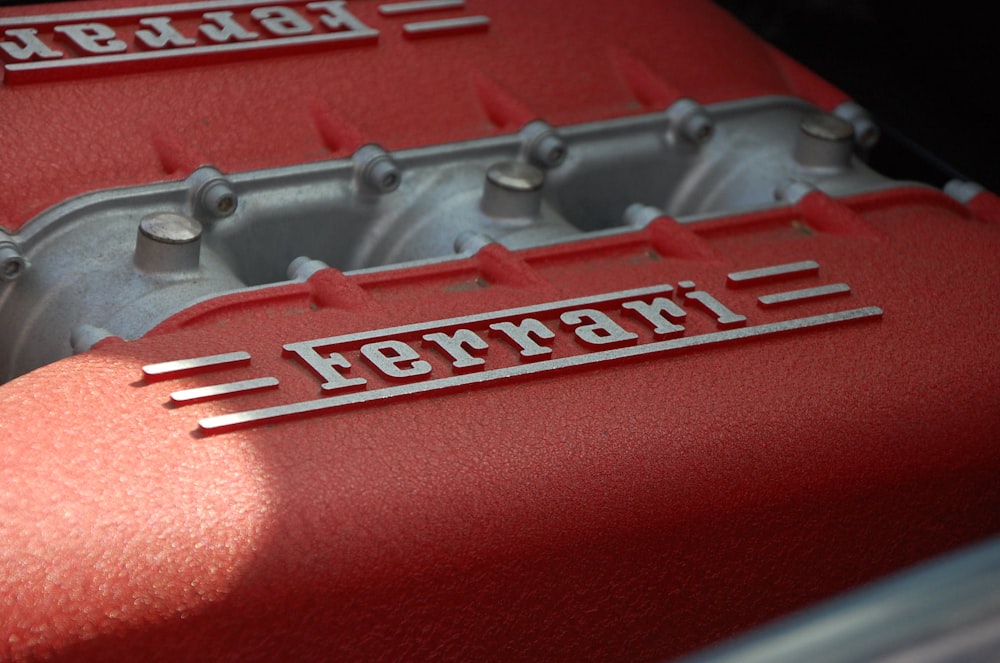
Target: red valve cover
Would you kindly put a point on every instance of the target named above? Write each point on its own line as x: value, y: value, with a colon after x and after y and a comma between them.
x: 630, y: 494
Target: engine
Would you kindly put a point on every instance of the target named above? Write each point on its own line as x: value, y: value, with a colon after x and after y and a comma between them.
x: 464, y: 329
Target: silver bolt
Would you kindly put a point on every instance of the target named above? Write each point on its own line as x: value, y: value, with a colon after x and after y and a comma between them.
x: 541, y: 145
x: 220, y: 199
x: 689, y: 121
x: 513, y: 190
x: 211, y: 195
x: 375, y: 170
x: 866, y: 132
x: 826, y: 127
x: 824, y: 141
x: 698, y: 128
x: 12, y: 263
x: 516, y: 176
x: 167, y: 242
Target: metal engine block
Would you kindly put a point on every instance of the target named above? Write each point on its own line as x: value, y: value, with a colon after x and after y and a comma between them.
x: 464, y: 329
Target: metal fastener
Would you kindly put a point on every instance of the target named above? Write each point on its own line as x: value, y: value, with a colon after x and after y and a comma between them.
x: 866, y: 132
x: 824, y: 141
x: 375, y: 171
x: 513, y: 190
x: 12, y: 263
x: 212, y: 196
x: 688, y: 120
x: 167, y: 242
x: 541, y: 145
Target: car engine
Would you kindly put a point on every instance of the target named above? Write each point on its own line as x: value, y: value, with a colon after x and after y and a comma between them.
x: 464, y: 329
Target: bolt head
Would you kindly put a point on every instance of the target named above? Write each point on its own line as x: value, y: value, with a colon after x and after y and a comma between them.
x: 12, y: 263
x: 827, y: 127
x: 699, y: 128
x: 550, y: 151
x: 516, y: 176
x: 170, y: 228
x: 384, y: 176
x: 12, y: 268
x: 219, y: 199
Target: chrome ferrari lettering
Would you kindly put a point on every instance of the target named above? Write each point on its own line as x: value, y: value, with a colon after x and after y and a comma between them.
x: 161, y: 34
x: 395, y: 360
x: 93, y: 38
x: 454, y: 345
x: 725, y: 318
x: 29, y: 46
x: 221, y: 28
x: 281, y: 21
x: 525, y: 335
x: 601, y: 330
x: 560, y: 336
x: 102, y: 38
x: 325, y: 366
x: 336, y: 17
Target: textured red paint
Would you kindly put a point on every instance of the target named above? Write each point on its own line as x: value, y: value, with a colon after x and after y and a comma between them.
x: 633, y: 511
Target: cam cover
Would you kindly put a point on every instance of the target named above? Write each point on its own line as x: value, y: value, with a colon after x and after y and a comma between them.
x: 628, y: 445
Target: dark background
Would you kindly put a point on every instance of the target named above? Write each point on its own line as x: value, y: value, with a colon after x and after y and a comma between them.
x: 928, y: 76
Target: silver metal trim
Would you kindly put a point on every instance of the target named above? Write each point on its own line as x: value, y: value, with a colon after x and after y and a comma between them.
x: 177, y: 53
x: 804, y: 294
x: 180, y: 366
x: 792, y: 269
x: 197, y: 394
x: 401, y: 8
x: 435, y: 27
x: 129, y: 12
x: 506, y: 314
x: 222, y: 423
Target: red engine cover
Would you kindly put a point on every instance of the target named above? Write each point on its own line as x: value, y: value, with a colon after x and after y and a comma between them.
x: 651, y: 484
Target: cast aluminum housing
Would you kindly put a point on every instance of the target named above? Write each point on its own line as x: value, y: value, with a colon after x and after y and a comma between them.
x: 89, y: 274
x: 464, y: 330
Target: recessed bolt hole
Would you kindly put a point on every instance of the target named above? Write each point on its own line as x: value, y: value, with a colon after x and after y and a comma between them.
x: 226, y: 204
x: 11, y: 269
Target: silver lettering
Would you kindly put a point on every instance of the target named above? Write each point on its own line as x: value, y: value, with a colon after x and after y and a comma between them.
x: 281, y: 21
x: 725, y: 319
x: 93, y: 38
x: 226, y: 29
x: 30, y: 47
x: 325, y: 367
x: 659, y: 313
x: 162, y: 34
x: 337, y: 18
x: 455, y: 346
x: 524, y: 335
x: 395, y: 359
x: 602, y: 330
